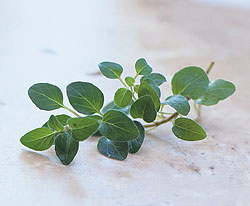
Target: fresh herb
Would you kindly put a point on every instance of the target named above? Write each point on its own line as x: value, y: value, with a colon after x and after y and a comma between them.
x: 138, y: 99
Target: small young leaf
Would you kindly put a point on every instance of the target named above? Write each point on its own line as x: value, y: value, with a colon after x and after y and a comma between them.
x: 123, y: 97
x: 190, y: 81
x: 187, y: 129
x: 54, y: 124
x: 179, y: 103
x: 142, y: 67
x: 115, y: 150
x: 111, y: 70
x: 46, y: 96
x: 130, y: 81
x: 85, y: 97
x: 62, y: 118
x: 38, y: 139
x: 112, y: 106
x: 66, y: 147
x: 144, y: 108
x: 116, y: 126
x: 83, y: 127
x: 136, y: 88
x: 217, y: 90
x: 154, y: 86
x: 158, y: 78
x: 146, y: 89
x: 135, y: 144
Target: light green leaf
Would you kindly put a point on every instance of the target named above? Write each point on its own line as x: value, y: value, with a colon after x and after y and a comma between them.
x: 66, y: 147
x: 142, y: 67
x: 136, y: 144
x: 217, y: 90
x: 187, y: 129
x: 179, y: 103
x: 158, y: 78
x: 116, y: 126
x: 146, y: 89
x: 144, y: 108
x: 54, y: 124
x: 123, y: 97
x: 115, y: 150
x: 85, y: 97
x: 112, y: 106
x: 83, y: 127
x: 190, y: 81
x: 130, y: 81
x: 38, y: 139
x: 136, y: 88
x: 111, y: 70
x: 46, y: 96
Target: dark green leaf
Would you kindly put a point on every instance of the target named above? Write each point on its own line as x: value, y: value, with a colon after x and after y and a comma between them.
x: 83, y: 127
x: 144, y: 108
x: 135, y: 145
x: 187, y: 129
x: 154, y: 86
x: 146, y: 89
x: 123, y: 97
x: 85, y: 97
x: 62, y: 118
x: 136, y: 88
x: 130, y: 81
x: 46, y: 96
x: 179, y: 103
x: 38, y: 139
x: 112, y: 106
x: 66, y: 147
x: 116, y: 126
x: 190, y: 81
x: 217, y: 90
x: 158, y: 78
x: 115, y: 150
x: 111, y: 70
x: 142, y: 67
x: 54, y: 124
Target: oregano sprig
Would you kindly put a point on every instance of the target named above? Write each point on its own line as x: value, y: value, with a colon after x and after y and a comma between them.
x: 139, y: 99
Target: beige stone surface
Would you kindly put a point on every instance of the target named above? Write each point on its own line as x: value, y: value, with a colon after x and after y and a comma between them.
x: 63, y: 41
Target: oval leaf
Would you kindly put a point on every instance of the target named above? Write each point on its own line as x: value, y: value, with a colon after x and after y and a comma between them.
x: 154, y: 86
x: 115, y: 150
x: 159, y: 79
x: 130, y: 81
x: 116, y: 126
x: 83, y: 127
x: 111, y: 70
x: 187, y: 129
x: 62, y: 118
x: 38, y: 139
x: 85, y: 97
x: 66, y: 147
x: 142, y: 67
x: 112, y: 106
x: 123, y: 97
x: 217, y: 90
x: 190, y: 81
x: 46, y: 96
x: 144, y: 108
x: 179, y: 103
x: 54, y: 124
x: 136, y: 144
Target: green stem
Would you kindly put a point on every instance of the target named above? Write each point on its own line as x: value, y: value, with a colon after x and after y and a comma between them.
x: 122, y: 82
x: 136, y: 75
x: 70, y: 111
x: 197, y: 109
x: 167, y: 113
x: 210, y: 67
x: 157, y: 123
x: 133, y: 93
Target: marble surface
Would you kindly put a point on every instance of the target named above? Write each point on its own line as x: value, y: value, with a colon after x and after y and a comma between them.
x: 63, y: 41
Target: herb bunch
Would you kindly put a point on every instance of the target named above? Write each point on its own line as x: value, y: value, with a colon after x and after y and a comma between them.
x: 119, y: 133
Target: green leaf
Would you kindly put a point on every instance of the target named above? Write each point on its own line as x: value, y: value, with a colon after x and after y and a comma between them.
x: 112, y: 106
x: 142, y: 67
x: 135, y: 145
x: 62, y: 118
x: 179, y: 103
x: 116, y: 126
x: 130, y: 81
x: 115, y: 150
x: 217, y: 90
x: 159, y: 79
x: 38, y: 139
x: 85, y: 97
x: 144, y: 108
x: 123, y: 97
x: 190, y: 81
x: 46, y: 96
x: 111, y: 70
x: 54, y: 124
x: 146, y: 89
x: 83, y: 127
x: 187, y: 129
x: 136, y: 88
x: 154, y: 86
x: 66, y: 147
